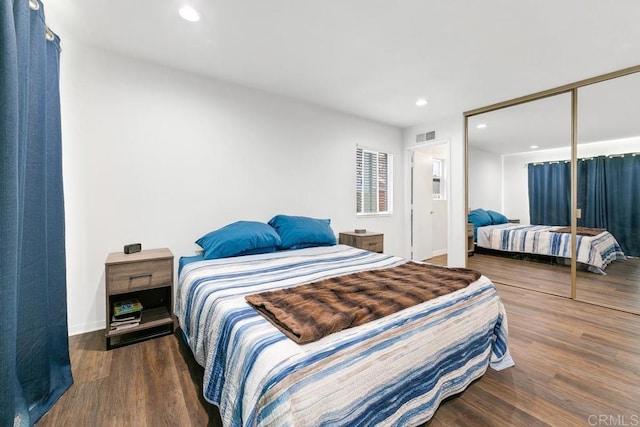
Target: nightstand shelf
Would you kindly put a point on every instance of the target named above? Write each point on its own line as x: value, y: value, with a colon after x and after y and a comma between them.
x: 470, y: 240
x: 148, y: 277
x: 150, y: 318
x: 138, y: 335
x: 370, y: 241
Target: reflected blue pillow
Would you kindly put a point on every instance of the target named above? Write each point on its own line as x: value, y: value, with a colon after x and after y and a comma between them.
x: 479, y: 218
x: 239, y: 238
x: 497, y: 218
x: 298, y: 232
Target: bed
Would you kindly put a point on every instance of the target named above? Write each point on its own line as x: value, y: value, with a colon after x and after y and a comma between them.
x: 391, y: 371
x: 596, y: 252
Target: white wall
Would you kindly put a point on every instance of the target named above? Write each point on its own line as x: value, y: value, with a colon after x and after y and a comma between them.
x: 485, y: 180
x: 452, y: 130
x: 516, y: 191
x: 158, y: 156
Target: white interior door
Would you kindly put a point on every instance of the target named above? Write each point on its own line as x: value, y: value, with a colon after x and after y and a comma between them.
x: 422, y: 206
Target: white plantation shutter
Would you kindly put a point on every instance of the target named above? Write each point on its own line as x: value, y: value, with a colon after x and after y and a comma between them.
x: 383, y: 204
x: 373, y: 182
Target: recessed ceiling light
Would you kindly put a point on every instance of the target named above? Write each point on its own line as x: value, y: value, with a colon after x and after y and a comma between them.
x: 482, y: 126
x: 189, y: 13
x: 421, y: 102
x: 533, y: 147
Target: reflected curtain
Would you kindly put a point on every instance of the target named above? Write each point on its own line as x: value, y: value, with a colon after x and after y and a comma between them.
x: 608, y: 194
x: 591, y: 193
x: 34, y: 350
x: 550, y: 193
x: 622, y: 192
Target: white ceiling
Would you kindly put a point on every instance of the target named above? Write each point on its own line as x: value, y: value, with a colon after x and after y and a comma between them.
x: 371, y: 58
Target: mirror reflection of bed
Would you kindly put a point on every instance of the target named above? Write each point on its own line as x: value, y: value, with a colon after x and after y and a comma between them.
x: 519, y: 166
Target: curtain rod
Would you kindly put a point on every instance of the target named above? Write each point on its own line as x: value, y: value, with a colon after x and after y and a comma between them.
x: 622, y: 155
x: 611, y: 156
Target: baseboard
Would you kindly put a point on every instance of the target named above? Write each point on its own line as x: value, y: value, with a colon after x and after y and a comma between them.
x: 86, y: 327
x: 439, y: 252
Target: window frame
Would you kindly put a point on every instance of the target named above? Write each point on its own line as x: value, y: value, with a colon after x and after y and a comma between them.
x: 361, y: 184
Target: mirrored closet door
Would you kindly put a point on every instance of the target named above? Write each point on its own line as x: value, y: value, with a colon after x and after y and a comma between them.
x: 519, y: 174
x: 608, y: 184
x: 569, y: 161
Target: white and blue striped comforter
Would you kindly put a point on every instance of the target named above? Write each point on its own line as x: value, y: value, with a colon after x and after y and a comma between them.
x: 596, y: 252
x: 392, y: 371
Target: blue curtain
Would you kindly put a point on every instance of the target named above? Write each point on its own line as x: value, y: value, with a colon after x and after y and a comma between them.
x: 622, y: 201
x: 550, y: 193
x: 34, y: 350
x: 608, y: 194
x: 591, y: 192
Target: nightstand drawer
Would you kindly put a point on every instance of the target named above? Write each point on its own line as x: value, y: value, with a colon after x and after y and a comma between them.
x: 469, y: 229
x: 142, y: 274
x: 372, y: 243
x: 470, y: 240
x: 369, y: 241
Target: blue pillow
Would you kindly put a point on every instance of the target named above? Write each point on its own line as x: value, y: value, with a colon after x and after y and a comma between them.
x: 239, y: 238
x: 298, y: 232
x: 497, y: 218
x: 479, y: 218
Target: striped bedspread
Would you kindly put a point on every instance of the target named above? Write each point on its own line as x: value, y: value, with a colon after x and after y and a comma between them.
x: 597, y: 252
x: 391, y: 371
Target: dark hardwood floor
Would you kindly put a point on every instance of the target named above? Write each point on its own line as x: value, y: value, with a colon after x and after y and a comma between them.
x: 576, y: 364
x: 152, y: 383
x: 619, y: 288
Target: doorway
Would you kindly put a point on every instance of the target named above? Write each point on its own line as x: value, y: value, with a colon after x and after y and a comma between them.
x: 429, y: 202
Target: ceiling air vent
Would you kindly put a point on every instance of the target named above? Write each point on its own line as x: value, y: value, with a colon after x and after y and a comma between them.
x: 427, y: 136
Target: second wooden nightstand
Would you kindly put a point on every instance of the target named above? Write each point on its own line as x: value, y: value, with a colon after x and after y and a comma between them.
x: 146, y: 276
x: 370, y: 241
x: 470, y: 240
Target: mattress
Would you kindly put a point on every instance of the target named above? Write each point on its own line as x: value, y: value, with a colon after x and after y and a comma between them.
x: 596, y: 252
x: 391, y: 371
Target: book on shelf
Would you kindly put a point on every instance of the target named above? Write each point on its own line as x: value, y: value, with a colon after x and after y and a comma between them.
x: 132, y: 320
x: 124, y: 326
x: 128, y: 318
x: 126, y: 307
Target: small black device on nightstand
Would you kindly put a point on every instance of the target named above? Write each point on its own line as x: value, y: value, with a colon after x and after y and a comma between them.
x: 132, y: 248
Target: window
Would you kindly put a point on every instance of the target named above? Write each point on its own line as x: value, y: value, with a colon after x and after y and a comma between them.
x: 438, y: 179
x: 373, y: 182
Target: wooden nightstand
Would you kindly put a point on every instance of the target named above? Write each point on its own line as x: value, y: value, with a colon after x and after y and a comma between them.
x: 148, y: 277
x: 514, y: 221
x: 470, y: 245
x: 370, y: 241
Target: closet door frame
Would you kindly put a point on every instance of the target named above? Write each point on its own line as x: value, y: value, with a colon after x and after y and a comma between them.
x: 571, y: 88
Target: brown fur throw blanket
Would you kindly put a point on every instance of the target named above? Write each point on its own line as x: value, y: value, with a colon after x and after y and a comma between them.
x: 582, y: 231
x: 309, y: 312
